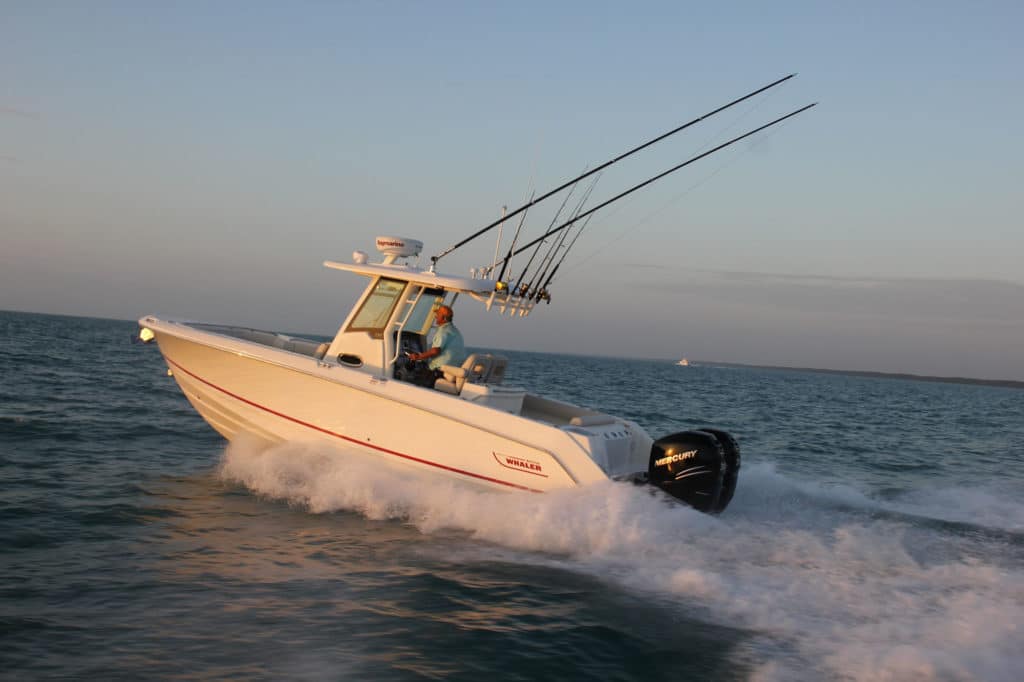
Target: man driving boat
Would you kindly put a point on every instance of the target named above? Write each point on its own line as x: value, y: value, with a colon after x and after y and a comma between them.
x: 447, y: 348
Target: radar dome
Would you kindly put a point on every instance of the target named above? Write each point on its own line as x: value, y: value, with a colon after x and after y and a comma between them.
x: 399, y: 247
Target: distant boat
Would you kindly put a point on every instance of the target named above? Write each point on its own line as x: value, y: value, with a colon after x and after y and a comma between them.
x: 683, y: 363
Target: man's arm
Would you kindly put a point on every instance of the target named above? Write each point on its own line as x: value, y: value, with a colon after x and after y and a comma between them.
x: 426, y: 355
x: 441, y: 337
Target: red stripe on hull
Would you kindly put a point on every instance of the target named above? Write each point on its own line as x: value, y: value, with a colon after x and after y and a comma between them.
x: 378, y: 448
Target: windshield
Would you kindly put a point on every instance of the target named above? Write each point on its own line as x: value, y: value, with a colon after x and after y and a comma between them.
x: 423, y: 314
x: 376, y: 310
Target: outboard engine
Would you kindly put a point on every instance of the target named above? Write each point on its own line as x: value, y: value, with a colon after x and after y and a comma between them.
x: 698, y: 467
x: 731, y: 457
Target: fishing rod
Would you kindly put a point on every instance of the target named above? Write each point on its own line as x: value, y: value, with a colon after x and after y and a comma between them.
x: 542, y: 293
x: 515, y: 238
x: 434, y: 259
x: 545, y: 265
x: 526, y: 285
x: 663, y: 174
x: 497, y: 244
x: 527, y: 268
x: 554, y: 219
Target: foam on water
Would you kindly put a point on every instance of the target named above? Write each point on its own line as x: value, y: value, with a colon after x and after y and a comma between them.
x: 829, y: 581
x: 971, y: 505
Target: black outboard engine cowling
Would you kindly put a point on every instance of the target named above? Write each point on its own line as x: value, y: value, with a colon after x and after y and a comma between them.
x: 694, y: 466
x: 731, y: 455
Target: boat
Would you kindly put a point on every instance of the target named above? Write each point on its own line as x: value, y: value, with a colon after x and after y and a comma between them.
x: 471, y: 426
x: 358, y: 390
x: 683, y: 363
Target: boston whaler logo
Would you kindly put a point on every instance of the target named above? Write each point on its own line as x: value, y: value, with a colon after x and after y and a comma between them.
x: 677, y: 457
x: 519, y: 464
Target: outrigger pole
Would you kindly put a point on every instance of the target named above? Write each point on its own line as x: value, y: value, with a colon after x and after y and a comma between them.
x: 658, y: 177
x: 434, y: 259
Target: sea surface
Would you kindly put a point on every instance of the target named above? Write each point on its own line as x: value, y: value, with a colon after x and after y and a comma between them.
x: 877, y: 533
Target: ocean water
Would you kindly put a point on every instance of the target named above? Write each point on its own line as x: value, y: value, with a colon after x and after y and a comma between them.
x: 877, y: 533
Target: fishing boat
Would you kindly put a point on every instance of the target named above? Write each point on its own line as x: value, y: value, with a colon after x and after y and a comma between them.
x: 359, y: 390
x: 683, y: 363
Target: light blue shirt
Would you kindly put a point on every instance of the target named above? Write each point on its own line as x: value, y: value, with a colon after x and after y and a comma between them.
x: 449, y: 340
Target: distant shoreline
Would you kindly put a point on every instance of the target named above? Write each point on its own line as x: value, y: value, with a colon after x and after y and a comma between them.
x: 1002, y: 383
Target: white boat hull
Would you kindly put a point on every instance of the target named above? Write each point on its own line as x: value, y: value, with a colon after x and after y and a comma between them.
x: 245, y: 389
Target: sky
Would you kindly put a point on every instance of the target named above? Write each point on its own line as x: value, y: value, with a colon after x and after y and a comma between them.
x: 201, y: 160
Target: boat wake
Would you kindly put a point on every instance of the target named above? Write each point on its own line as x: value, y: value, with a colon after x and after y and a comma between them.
x: 826, y: 581
x: 770, y: 495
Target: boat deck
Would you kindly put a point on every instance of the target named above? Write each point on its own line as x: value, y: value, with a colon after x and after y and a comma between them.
x: 526, y: 405
x: 293, y: 344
